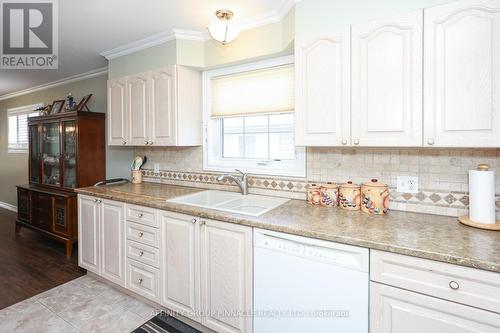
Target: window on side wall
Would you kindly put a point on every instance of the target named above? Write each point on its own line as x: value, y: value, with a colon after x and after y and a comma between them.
x: 18, y: 127
x: 249, y: 119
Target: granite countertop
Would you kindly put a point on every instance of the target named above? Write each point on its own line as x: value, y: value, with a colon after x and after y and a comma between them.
x: 434, y: 237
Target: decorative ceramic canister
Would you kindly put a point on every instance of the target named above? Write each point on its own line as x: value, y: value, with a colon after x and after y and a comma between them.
x: 349, y: 196
x: 329, y: 195
x: 314, y: 194
x: 374, y: 197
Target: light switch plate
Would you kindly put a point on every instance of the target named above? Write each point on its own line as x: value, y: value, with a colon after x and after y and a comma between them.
x: 407, y: 184
x: 156, y: 167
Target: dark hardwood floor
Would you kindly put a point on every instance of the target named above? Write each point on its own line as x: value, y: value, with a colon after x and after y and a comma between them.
x: 30, y: 263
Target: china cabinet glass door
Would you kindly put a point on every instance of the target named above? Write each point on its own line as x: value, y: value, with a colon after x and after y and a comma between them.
x: 51, y: 152
x: 69, y: 153
x: 34, y: 154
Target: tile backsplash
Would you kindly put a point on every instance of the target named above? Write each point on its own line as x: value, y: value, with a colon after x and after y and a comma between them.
x: 442, y: 173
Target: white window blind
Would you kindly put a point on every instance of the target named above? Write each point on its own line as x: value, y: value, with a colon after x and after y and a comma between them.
x: 265, y: 91
x: 18, y: 127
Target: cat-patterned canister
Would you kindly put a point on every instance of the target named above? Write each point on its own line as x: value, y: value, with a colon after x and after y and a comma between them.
x: 375, y: 197
x: 349, y: 196
x: 329, y: 195
x: 314, y: 194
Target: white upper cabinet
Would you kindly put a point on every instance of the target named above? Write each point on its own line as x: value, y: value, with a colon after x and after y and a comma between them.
x: 163, y: 107
x: 138, y: 105
x: 156, y: 108
x: 117, y: 112
x: 322, y: 65
x: 387, y: 81
x: 462, y: 74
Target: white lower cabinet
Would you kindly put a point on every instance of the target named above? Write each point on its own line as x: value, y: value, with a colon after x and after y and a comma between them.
x: 101, y: 243
x: 226, y: 276
x: 395, y: 310
x: 207, y: 269
x: 180, y: 264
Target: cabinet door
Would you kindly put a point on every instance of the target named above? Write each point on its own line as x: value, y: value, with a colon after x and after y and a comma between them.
x: 462, y: 74
x: 226, y: 276
x: 138, y: 106
x: 180, y: 263
x: 387, y: 81
x: 51, y: 154
x: 394, y: 310
x: 322, y: 66
x: 112, y: 241
x: 34, y: 154
x: 117, y: 112
x: 88, y: 234
x: 163, y: 107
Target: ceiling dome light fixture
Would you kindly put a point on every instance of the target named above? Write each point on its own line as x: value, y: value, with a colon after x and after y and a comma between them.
x: 223, y: 31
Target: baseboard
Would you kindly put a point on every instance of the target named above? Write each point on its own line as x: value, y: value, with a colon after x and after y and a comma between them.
x: 8, y: 206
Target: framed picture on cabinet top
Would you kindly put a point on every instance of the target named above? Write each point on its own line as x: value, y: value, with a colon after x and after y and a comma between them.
x: 82, y: 106
x: 57, y: 107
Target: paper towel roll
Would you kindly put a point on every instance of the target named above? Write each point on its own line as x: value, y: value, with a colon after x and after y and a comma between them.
x: 482, y: 196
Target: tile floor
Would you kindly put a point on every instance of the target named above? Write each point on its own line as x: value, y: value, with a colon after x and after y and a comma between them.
x: 82, y: 305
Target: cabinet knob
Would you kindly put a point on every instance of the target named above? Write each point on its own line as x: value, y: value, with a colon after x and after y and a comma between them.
x: 141, y: 215
x: 146, y: 143
x: 100, y: 201
x: 151, y: 143
x: 430, y: 141
x: 141, y: 234
x: 193, y: 221
x: 141, y: 253
x: 202, y: 223
x: 344, y: 142
x: 356, y: 142
x: 96, y: 200
x: 139, y: 280
x: 124, y: 142
x: 454, y: 285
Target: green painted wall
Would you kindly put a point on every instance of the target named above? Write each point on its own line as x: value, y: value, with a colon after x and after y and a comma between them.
x: 14, y: 167
x: 316, y: 15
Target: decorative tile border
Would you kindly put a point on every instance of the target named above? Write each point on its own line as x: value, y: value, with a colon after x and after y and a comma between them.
x: 425, y: 201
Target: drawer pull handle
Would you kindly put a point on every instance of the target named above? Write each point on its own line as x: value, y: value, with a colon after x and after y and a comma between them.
x: 141, y: 234
x: 139, y: 280
x: 454, y: 285
x: 193, y: 221
x: 141, y: 215
x: 141, y: 253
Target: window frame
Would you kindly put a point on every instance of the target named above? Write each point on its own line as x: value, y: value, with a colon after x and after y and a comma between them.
x: 212, y: 132
x: 16, y: 148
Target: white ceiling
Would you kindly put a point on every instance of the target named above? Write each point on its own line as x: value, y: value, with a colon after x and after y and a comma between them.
x: 88, y: 28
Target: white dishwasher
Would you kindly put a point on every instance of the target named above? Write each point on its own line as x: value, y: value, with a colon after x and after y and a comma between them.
x: 307, y: 285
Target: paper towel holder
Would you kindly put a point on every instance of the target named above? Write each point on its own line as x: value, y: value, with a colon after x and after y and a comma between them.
x: 466, y: 220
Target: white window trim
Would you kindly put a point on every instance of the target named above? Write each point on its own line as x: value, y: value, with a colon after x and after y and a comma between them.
x: 211, y: 163
x: 26, y: 109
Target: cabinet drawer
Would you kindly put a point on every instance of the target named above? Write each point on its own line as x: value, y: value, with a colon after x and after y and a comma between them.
x: 142, y: 215
x: 143, y: 234
x: 143, y: 253
x: 464, y: 285
x: 394, y: 310
x: 143, y: 279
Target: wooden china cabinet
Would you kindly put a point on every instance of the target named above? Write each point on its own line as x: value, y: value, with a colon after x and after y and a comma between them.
x: 66, y: 151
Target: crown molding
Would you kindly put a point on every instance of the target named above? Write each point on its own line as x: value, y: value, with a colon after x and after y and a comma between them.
x: 192, y: 35
x: 199, y: 36
x: 69, y: 79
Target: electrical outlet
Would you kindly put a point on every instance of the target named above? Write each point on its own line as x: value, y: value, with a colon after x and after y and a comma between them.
x: 156, y: 167
x: 407, y: 184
